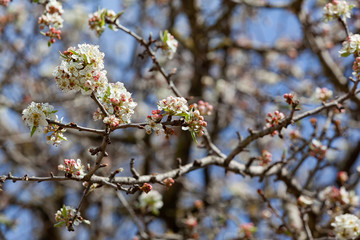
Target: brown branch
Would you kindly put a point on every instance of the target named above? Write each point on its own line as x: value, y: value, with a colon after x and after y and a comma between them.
x: 147, y: 46
x: 77, y: 127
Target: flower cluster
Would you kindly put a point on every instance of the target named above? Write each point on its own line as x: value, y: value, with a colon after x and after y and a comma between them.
x: 151, y: 202
x: 289, y: 98
x: 350, y: 46
x: 335, y: 196
x: 111, y: 120
x: 204, y: 108
x: 66, y: 215
x: 346, y: 226
x: 266, y: 158
x: 274, y: 119
x: 317, y: 149
x: 35, y: 116
x: 52, y: 19
x: 117, y: 101
x: 169, y: 44
x: 97, y: 20
x: 81, y: 69
x: 356, y: 67
x: 72, y: 167
x: 178, y: 106
x: 56, y: 135
x: 173, y: 105
x: 153, y: 122
x: 336, y: 9
x: 195, y: 122
x: 323, y: 94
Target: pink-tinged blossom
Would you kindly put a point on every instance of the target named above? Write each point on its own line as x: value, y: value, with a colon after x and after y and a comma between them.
x: 334, y: 196
x: 195, y: 122
x: 317, y: 149
x: 72, y: 167
x: 204, y: 108
x: 351, y: 45
x: 112, y: 121
x: 153, y: 122
x: 169, y: 44
x: 81, y: 69
x: 289, y: 98
x: 265, y: 158
x: 173, y: 105
x: 356, y: 67
x: 323, y: 94
x: 97, y: 20
x: 117, y: 101
x: 336, y: 9
x: 52, y: 18
x: 274, y: 119
x: 346, y: 226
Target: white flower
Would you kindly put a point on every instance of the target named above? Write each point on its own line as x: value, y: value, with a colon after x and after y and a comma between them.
x: 54, y: 6
x: 323, y: 94
x: 117, y: 101
x: 173, y: 105
x: 346, y: 226
x: 81, y: 69
x: 350, y: 45
x: 337, y: 8
x: 152, y: 125
x: 151, y: 201
x: 35, y: 115
x: 170, y: 44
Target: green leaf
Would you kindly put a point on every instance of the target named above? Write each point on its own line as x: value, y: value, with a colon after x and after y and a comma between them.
x: 161, y: 36
x: 165, y: 35
x: 85, y: 58
x: 345, y: 54
x: 193, y: 134
x: 64, y: 212
x: 73, y: 52
x: 119, y: 14
x: 59, y: 224
x: 33, y: 131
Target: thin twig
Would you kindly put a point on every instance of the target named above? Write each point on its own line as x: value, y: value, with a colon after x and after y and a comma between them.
x: 125, y: 203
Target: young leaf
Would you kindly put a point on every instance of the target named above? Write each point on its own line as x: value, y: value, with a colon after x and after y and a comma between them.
x: 33, y: 130
x: 59, y: 224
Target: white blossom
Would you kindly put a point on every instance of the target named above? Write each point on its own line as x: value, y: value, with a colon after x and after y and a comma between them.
x: 151, y: 201
x: 35, y: 115
x: 350, y: 45
x: 346, y: 226
x: 337, y: 8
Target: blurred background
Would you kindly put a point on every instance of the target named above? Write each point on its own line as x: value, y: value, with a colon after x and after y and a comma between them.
x: 240, y: 56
